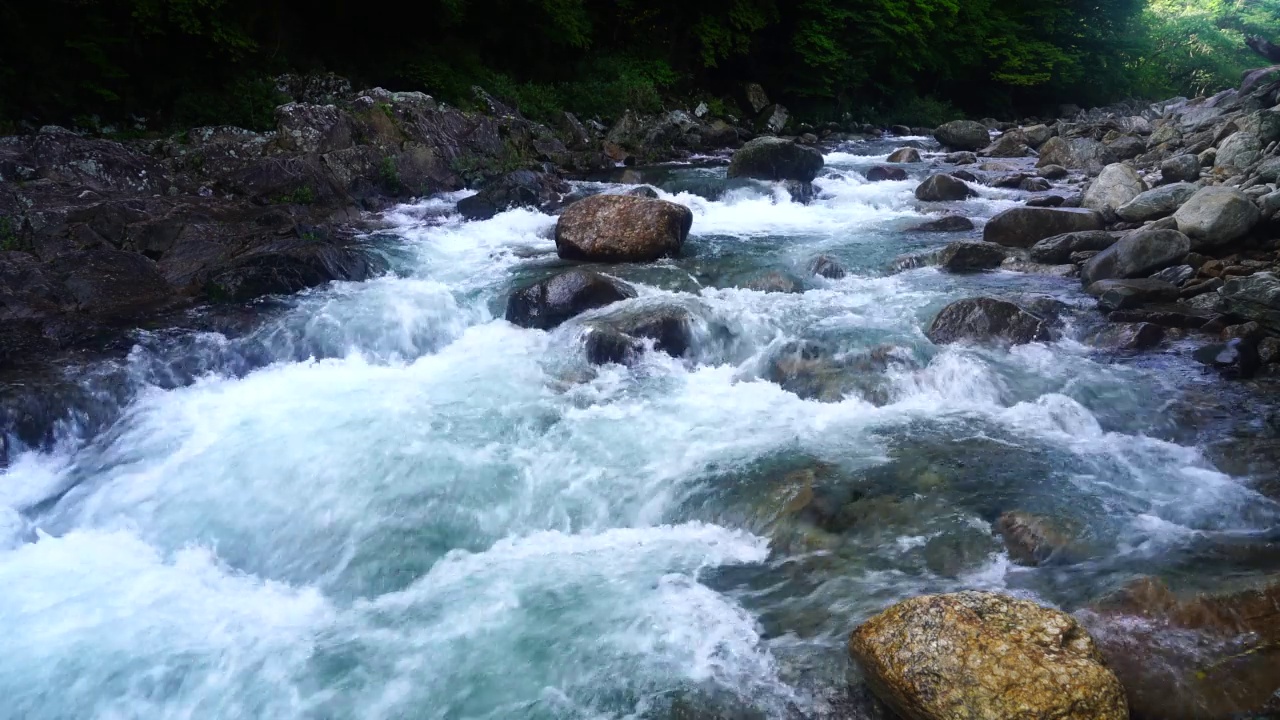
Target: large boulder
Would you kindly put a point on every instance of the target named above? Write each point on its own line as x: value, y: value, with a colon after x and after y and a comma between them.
x: 1059, y: 248
x: 771, y: 158
x: 1238, y: 152
x: 943, y: 188
x: 1025, y: 226
x: 1180, y: 168
x: 963, y: 135
x: 1127, y: 147
x: 985, y: 320
x: 1217, y: 215
x: 1076, y: 154
x: 1116, y: 185
x: 1255, y: 297
x: 522, y: 188
x: 772, y: 119
x: 982, y: 655
x: 1137, y: 255
x: 547, y: 304
x: 1156, y: 203
x: 1263, y: 124
x: 622, y: 228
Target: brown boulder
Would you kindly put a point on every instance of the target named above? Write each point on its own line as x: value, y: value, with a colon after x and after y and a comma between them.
x: 622, y: 228
x: 982, y: 655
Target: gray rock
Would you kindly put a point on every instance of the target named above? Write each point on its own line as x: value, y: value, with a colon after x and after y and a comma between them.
x: 549, y: 303
x: 1237, y: 359
x: 1127, y: 147
x: 949, y: 223
x: 1116, y: 185
x: 1263, y: 124
x: 1269, y: 204
x: 986, y: 320
x: 770, y: 158
x: 1125, y: 294
x: 827, y: 267
x: 1035, y: 184
x: 943, y: 188
x: 1268, y: 170
x: 1037, y: 135
x: 1025, y: 226
x: 1012, y: 144
x: 1180, y: 168
x: 971, y: 256
x: 1156, y: 203
x: 963, y: 135
x: 1137, y: 255
x: 756, y: 97
x: 772, y: 119
x: 1128, y: 336
x: 904, y: 155
x: 1060, y: 248
x: 1217, y: 215
x: 881, y: 173
x: 1076, y: 154
x: 1048, y: 201
x: 1238, y: 152
x: 960, y: 158
x: 1177, y: 275
x: 1052, y: 172
x: 1255, y: 297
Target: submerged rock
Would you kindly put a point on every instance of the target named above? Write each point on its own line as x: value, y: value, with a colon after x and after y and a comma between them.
x: 881, y: 173
x: 621, y: 339
x: 986, y: 320
x: 1236, y: 358
x: 548, y: 303
x: 1187, y: 657
x: 622, y: 228
x: 1031, y: 540
x: 814, y: 372
x: 1025, y: 226
x: 943, y: 188
x: 827, y: 267
x: 982, y: 655
x: 771, y: 158
x: 904, y: 155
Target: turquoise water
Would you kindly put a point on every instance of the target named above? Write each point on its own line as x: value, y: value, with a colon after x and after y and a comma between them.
x: 383, y: 501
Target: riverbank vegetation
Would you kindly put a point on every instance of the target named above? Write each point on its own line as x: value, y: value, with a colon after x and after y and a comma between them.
x: 163, y: 63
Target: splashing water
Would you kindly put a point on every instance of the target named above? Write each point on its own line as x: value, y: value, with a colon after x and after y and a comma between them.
x: 384, y: 501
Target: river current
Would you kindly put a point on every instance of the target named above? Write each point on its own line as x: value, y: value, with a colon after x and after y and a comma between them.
x: 381, y: 500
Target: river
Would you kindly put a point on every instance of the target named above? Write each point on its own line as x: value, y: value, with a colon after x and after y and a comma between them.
x: 381, y: 500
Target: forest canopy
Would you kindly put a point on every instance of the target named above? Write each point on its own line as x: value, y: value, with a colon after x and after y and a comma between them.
x: 187, y: 62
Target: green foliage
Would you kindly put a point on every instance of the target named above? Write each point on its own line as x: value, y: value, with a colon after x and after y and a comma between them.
x: 302, y: 195
x: 8, y: 234
x: 390, y: 175
x: 199, y: 62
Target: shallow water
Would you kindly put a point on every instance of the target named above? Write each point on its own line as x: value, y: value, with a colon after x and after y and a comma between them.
x: 383, y: 501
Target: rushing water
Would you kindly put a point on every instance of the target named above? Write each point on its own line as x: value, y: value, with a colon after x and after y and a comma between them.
x: 383, y: 501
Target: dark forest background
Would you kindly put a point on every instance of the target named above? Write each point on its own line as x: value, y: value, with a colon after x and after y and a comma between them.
x: 168, y: 63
